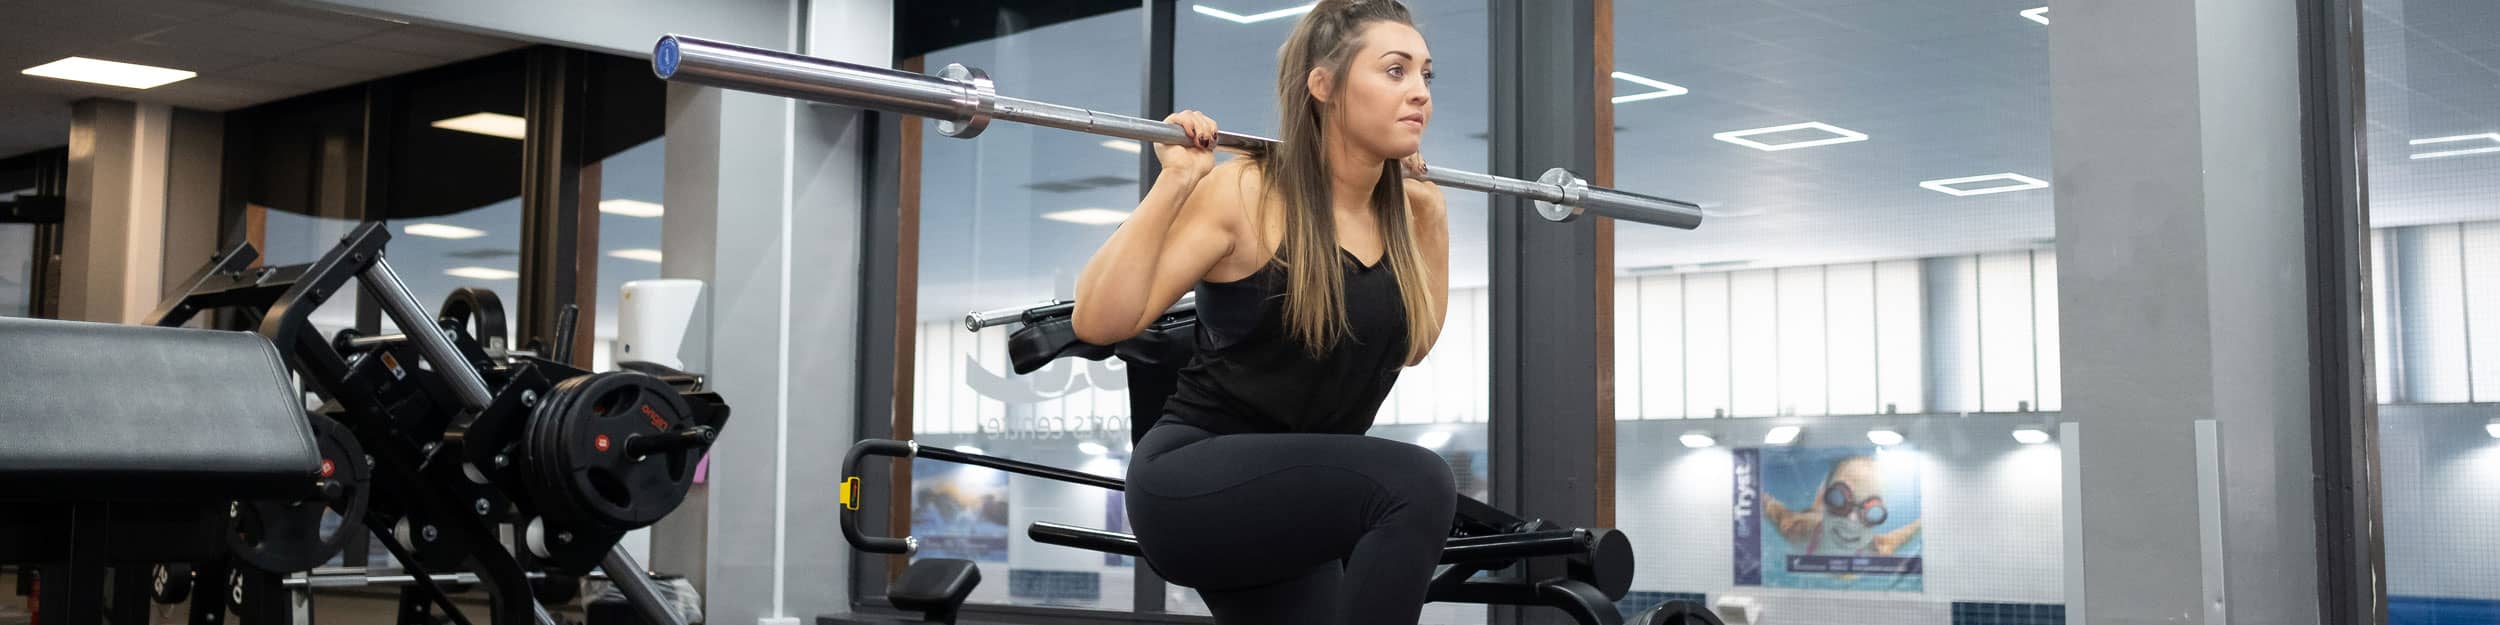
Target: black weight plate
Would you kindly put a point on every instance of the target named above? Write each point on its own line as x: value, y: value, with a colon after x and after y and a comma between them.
x: 172, y: 585
x: 542, y: 446
x: 611, y: 486
x: 284, y: 537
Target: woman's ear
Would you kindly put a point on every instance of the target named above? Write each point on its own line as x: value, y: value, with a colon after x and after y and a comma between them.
x: 1317, y: 82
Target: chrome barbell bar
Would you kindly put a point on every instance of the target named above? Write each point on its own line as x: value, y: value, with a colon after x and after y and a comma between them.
x: 964, y: 101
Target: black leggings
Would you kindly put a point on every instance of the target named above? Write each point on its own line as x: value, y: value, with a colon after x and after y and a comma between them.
x: 1320, y: 529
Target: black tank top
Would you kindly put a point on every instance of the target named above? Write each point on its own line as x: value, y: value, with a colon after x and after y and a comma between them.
x: 1250, y: 376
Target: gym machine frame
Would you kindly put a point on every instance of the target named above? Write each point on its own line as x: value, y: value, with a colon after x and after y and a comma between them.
x: 964, y: 102
x: 1599, y: 562
x: 455, y: 492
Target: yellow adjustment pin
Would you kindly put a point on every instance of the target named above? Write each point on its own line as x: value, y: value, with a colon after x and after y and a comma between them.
x: 850, y: 493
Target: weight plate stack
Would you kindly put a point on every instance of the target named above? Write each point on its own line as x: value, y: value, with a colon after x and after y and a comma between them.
x: 613, y: 451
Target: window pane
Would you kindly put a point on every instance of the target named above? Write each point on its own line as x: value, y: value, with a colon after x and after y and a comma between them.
x: 1227, y: 69
x: 1874, y: 277
x: 629, y: 236
x: 2434, y: 200
x: 996, y: 230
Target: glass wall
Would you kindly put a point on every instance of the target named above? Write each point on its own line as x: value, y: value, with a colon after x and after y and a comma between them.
x: 1006, y: 220
x: 629, y: 235
x: 454, y: 201
x: 1863, y: 338
x: 2434, y: 197
x: 1225, y: 66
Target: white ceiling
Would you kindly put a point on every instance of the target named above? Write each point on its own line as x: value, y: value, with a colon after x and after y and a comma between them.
x: 246, y: 52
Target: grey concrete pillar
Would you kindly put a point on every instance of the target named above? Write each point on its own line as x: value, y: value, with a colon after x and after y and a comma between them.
x: 2180, y: 247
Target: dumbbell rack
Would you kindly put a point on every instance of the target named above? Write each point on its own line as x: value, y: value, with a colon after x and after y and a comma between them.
x: 446, y: 476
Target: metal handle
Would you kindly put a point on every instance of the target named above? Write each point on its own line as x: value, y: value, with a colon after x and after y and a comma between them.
x: 964, y: 103
x: 850, y: 509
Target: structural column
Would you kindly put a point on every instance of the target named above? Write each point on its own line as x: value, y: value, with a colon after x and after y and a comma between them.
x: 2181, y: 261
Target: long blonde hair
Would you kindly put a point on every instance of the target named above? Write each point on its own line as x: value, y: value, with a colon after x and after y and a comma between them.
x: 1296, y: 169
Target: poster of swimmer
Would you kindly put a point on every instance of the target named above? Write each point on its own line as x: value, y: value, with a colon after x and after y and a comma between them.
x: 959, y: 511
x: 1828, y: 518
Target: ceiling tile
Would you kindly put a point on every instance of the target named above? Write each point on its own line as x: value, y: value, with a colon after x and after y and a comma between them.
x: 193, y: 59
x: 306, y: 23
x: 296, y: 74
x: 375, y: 62
x: 437, y: 43
x: 215, y: 37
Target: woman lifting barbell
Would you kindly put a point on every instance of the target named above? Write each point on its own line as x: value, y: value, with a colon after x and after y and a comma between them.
x: 1320, y: 271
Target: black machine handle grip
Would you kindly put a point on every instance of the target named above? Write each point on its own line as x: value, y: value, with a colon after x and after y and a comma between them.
x: 851, y: 495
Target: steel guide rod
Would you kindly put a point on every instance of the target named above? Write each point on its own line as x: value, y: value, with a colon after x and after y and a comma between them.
x: 964, y: 102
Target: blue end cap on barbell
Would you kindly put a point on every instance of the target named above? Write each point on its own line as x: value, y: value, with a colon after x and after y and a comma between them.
x: 664, y: 57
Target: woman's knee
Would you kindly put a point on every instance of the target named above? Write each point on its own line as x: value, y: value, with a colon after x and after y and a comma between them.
x: 1424, y: 479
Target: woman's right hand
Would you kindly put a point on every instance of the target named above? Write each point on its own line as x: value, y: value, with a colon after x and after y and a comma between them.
x: 1198, y: 157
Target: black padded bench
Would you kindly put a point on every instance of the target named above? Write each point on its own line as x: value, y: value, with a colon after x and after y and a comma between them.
x: 124, y: 446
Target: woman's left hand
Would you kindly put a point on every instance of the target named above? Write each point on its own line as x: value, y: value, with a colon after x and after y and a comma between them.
x: 1421, y: 193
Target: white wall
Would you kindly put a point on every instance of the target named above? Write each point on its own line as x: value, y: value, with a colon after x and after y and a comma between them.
x: 1992, y: 510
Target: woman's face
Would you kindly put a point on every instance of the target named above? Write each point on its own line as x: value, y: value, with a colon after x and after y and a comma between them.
x: 1385, y: 101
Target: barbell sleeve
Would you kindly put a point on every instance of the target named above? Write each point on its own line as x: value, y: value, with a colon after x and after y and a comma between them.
x: 964, y: 102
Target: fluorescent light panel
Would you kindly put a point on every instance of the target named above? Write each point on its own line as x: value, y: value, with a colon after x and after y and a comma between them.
x: 1840, y: 135
x: 489, y: 124
x: 481, y: 273
x: 1124, y: 146
x: 2492, y: 137
x: 2031, y: 436
x: 631, y: 208
x: 1697, y: 440
x: 1883, y: 437
x: 1238, y: 18
x: 1092, y: 448
x: 2040, y: 15
x: 1088, y: 216
x: 643, y: 254
x: 115, y: 73
x: 969, y: 449
x: 2492, y: 428
x: 2020, y: 183
x: 441, y: 231
x: 1661, y: 89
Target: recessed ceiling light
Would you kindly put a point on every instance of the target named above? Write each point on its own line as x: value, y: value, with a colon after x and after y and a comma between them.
x: 1092, y: 448
x: 2492, y: 428
x: 2020, y: 183
x: 1238, y: 18
x: 1883, y: 437
x: 489, y: 124
x: 2492, y: 137
x: 643, y: 254
x: 1661, y: 89
x: 2031, y: 436
x: 441, y: 231
x: 481, y: 273
x: 1839, y: 135
x: 1697, y: 440
x: 969, y: 449
x: 1088, y: 216
x: 2040, y: 15
x: 631, y: 208
x: 1781, y: 435
x: 113, y: 73
x: 1124, y: 146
